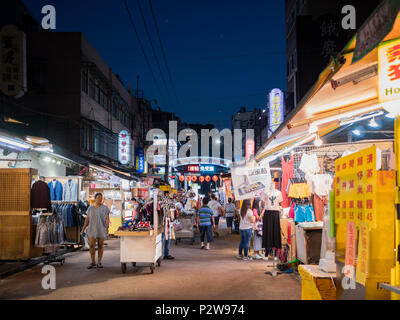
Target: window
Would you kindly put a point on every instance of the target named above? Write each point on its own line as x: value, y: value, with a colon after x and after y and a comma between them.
x: 97, y: 93
x: 85, y: 81
x: 91, y: 88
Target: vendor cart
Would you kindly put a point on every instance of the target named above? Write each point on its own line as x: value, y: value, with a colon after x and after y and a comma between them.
x: 142, y: 246
x: 186, y: 220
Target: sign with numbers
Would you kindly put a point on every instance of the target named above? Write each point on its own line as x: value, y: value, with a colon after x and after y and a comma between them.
x: 355, y: 188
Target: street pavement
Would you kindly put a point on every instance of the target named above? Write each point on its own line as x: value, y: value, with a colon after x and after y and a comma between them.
x: 194, y: 274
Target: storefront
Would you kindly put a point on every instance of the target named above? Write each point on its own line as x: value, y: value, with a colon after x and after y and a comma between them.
x: 336, y: 153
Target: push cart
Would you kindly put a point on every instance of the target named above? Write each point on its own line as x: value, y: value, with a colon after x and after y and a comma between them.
x: 187, y: 221
x: 142, y: 246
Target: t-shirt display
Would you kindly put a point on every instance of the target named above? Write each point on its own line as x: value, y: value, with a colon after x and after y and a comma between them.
x: 272, y: 200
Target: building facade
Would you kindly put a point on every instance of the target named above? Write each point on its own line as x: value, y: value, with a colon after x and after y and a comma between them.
x: 314, y: 34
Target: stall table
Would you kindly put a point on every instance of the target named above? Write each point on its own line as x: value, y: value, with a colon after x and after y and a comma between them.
x: 317, y: 284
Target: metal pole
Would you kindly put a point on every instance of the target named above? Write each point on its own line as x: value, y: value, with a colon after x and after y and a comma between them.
x: 396, y: 275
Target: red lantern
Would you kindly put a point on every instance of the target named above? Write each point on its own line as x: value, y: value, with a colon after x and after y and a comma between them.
x: 194, y: 179
x: 208, y: 178
x: 215, y: 178
x: 201, y: 179
x: 181, y: 178
x: 188, y: 178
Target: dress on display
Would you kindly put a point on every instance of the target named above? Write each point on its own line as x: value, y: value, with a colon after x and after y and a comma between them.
x: 287, y: 174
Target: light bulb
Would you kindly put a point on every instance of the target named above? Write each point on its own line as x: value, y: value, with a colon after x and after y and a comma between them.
x: 373, y: 123
x: 318, y: 142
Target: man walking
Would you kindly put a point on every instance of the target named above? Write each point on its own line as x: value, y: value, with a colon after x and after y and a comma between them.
x: 205, y: 223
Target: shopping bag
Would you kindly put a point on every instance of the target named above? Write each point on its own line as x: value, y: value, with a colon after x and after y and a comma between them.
x: 178, y: 226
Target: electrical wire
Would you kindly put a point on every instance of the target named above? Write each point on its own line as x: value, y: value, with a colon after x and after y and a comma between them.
x: 142, y: 47
x: 163, y: 51
x: 153, y: 50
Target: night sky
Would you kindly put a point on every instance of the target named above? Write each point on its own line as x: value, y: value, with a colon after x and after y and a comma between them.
x: 222, y: 53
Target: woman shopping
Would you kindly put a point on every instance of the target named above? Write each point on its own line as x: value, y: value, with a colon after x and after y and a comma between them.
x: 246, y: 228
x: 97, y: 222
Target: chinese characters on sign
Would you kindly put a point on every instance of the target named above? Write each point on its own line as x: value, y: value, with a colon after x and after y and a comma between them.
x: 276, y: 109
x: 363, y: 254
x: 350, y: 248
x: 193, y: 168
x: 124, y: 147
x: 250, y: 147
x: 355, y: 188
x: 12, y: 61
x: 139, y: 160
x: 389, y: 71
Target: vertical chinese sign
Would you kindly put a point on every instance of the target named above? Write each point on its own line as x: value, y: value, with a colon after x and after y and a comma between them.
x: 363, y: 254
x: 250, y: 148
x: 124, y: 147
x: 13, y: 61
x: 276, y: 109
x: 389, y: 71
x: 350, y: 259
x: 355, y: 188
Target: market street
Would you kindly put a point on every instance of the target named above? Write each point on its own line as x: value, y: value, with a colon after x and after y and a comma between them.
x: 194, y: 274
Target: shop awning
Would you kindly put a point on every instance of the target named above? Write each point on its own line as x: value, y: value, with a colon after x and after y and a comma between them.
x: 344, y: 90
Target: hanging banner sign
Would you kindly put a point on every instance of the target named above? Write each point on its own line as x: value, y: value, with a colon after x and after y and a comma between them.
x: 139, y: 160
x: 389, y: 71
x: 356, y: 187
x: 13, y: 77
x: 276, y: 109
x: 376, y: 28
x: 228, y: 189
x: 363, y: 255
x: 350, y: 258
x: 250, y: 180
x: 124, y: 147
x: 250, y: 147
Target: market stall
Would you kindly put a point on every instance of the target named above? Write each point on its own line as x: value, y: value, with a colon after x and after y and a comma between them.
x: 142, y: 242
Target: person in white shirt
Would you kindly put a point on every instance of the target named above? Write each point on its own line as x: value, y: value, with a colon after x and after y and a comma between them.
x: 246, y: 228
x: 229, y: 214
x: 218, y: 211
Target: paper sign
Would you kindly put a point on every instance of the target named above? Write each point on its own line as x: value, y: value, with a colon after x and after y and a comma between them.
x: 363, y: 254
x: 350, y: 259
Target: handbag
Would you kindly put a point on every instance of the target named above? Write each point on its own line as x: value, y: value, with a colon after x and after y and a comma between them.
x: 178, y: 226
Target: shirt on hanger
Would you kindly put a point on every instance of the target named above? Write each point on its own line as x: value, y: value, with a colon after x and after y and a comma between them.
x: 273, y: 200
x: 309, y: 163
x: 321, y: 184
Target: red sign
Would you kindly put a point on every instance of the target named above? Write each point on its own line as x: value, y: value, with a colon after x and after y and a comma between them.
x: 250, y: 146
x: 144, y: 193
x: 193, y: 168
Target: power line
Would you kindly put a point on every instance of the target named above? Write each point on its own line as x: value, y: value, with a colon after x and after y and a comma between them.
x: 163, y: 51
x: 152, y: 48
x: 142, y: 47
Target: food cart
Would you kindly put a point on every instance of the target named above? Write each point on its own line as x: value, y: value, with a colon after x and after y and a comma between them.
x: 142, y: 246
x: 186, y: 220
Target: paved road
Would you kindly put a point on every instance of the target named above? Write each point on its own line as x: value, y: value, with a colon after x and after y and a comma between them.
x: 194, y: 274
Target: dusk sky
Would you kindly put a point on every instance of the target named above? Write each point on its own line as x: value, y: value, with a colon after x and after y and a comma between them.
x: 222, y: 54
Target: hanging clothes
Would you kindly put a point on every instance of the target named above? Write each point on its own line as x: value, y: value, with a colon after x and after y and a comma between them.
x: 56, y: 190
x: 319, y: 207
x: 40, y: 196
x: 272, y: 230
x: 70, y: 191
x: 287, y: 174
